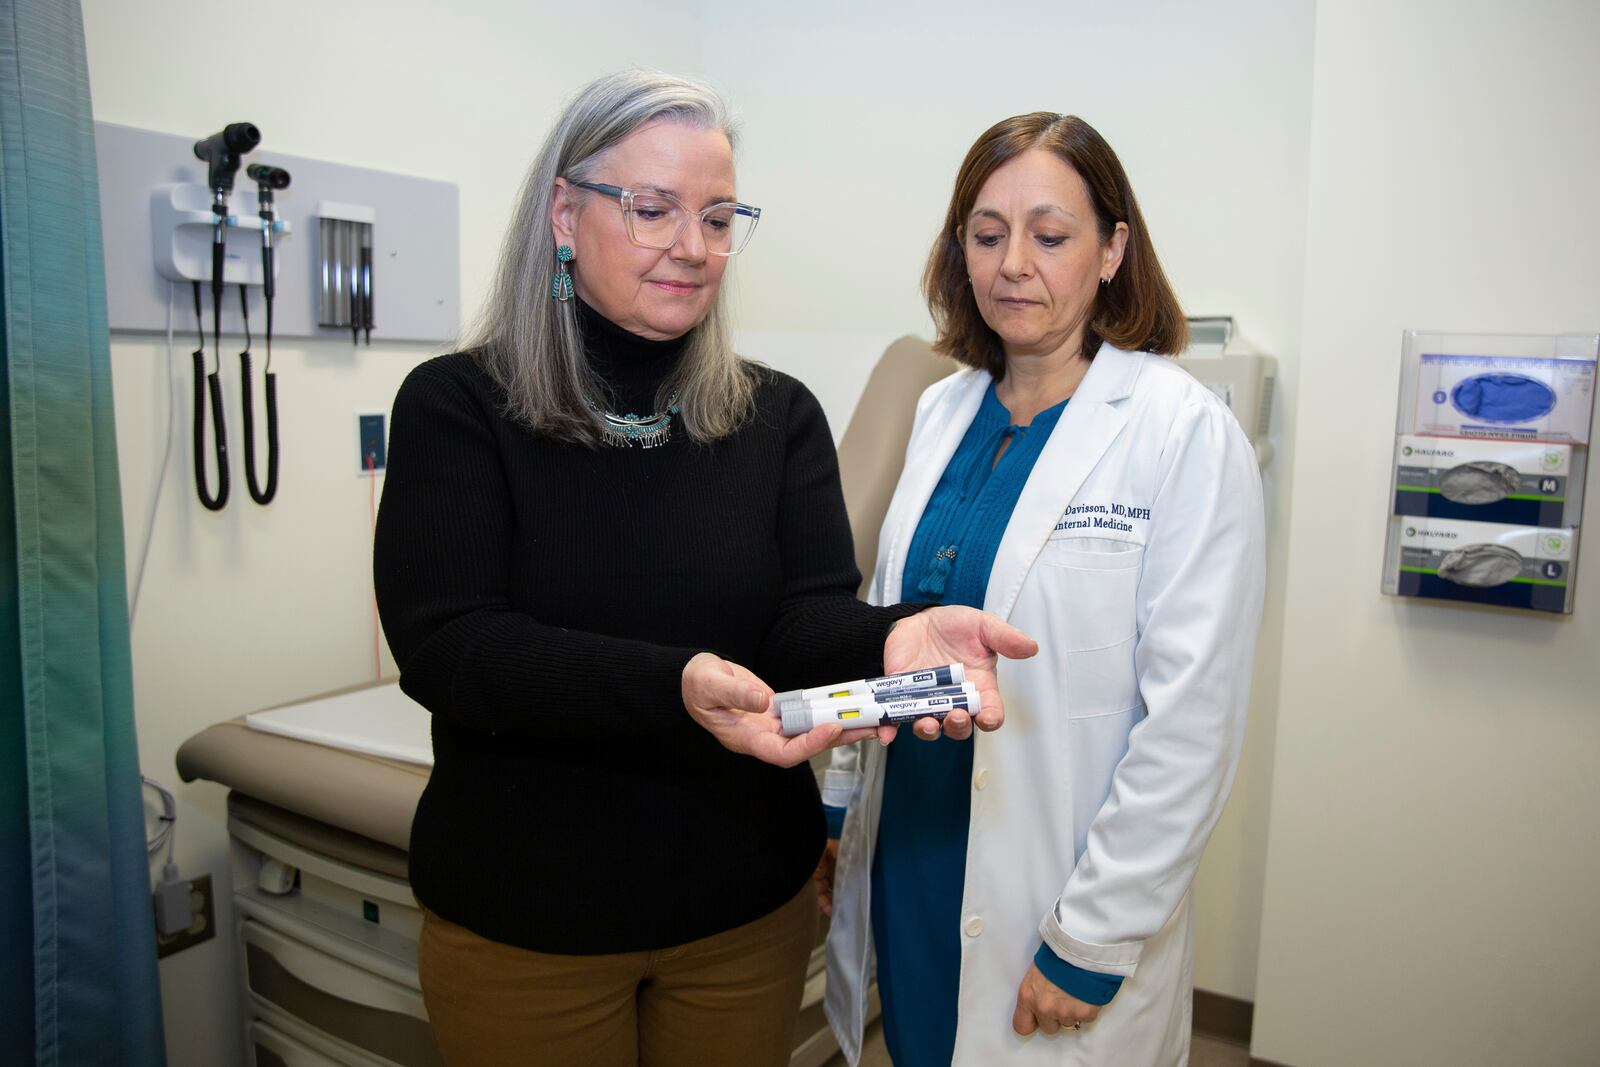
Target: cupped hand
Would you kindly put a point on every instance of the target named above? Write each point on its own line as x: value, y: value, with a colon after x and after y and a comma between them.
x: 736, y: 707
x: 1042, y: 1005
x: 955, y: 634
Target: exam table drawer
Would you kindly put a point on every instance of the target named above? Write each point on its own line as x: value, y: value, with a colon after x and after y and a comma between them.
x: 270, y: 1047
x: 335, y: 997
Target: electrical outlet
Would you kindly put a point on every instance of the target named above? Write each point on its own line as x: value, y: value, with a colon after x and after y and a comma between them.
x: 202, y: 921
x: 371, y: 441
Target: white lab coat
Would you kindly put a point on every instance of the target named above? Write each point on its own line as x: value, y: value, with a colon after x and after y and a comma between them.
x: 1135, y: 557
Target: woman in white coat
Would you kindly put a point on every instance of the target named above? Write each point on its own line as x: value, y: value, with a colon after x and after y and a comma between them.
x: 1023, y: 896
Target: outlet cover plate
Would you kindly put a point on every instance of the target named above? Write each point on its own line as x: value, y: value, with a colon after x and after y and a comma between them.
x: 202, y: 922
x: 372, y: 443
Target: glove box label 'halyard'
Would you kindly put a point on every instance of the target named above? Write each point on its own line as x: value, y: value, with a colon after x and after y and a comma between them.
x: 1523, y: 483
x: 1486, y: 563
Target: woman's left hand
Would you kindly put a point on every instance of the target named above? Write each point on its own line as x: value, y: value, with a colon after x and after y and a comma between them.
x: 1042, y: 1005
x: 955, y: 634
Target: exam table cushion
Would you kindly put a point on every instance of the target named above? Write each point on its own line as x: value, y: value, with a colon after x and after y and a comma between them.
x: 319, y: 837
x: 369, y: 796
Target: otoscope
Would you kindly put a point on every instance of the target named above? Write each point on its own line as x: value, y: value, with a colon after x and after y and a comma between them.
x: 221, y: 153
x: 267, y: 179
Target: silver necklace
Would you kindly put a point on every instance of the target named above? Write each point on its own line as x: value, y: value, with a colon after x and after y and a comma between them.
x: 646, y: 431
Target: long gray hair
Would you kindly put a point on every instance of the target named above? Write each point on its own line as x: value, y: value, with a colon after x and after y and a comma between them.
x: 531, y: 345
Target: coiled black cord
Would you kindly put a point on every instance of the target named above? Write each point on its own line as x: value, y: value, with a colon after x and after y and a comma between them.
x: 219, y: 429
x: 259, y: 495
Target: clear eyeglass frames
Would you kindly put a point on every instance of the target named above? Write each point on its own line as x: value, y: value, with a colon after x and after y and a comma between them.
x: 656, y: 220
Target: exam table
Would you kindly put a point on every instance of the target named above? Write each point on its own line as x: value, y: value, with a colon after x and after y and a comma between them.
x: 319, y: 817
x: 324, y: 923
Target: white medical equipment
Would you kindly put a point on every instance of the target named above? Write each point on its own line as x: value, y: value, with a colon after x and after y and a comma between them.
x: 1244, y: 380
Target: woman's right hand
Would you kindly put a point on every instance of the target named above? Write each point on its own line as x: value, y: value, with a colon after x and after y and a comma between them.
x: 955, y: 634
x: 736, y: 707
x: 824, y: 876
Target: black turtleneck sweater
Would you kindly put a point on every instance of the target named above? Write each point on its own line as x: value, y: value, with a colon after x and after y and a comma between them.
x: 542, y: 599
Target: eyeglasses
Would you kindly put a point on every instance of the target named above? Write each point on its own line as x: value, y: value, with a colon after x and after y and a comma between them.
x: 656, y: 220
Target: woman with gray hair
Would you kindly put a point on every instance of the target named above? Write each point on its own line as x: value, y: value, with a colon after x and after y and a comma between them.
x: 592, y: 601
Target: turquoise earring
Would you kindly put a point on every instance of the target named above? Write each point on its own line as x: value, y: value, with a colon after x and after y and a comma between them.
x: 561, y: 287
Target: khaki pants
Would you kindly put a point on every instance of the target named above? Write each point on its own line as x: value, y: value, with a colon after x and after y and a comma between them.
x: 730, y: 999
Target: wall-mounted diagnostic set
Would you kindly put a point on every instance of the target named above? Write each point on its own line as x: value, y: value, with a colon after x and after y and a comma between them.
x: 305, y: 233
x: 1486, y: 489
x: 222, y: 153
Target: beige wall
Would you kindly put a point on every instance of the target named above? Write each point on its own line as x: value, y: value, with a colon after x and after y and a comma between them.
x: 1432, y: 871
x: 257, y: 606
x: 1430, y: 876
x: 856, y: 117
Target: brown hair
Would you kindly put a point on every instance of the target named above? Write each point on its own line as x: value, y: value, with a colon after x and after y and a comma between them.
x: 1136, y: 311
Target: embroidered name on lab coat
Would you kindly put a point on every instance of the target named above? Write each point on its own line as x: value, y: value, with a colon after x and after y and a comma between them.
x: 1118, y: 517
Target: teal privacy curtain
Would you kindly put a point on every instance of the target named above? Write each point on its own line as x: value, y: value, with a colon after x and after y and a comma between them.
x: 78, y: 982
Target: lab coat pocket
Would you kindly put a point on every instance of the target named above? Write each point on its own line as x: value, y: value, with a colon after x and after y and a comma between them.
x: 1090, y: 586
x: 1092, y: 583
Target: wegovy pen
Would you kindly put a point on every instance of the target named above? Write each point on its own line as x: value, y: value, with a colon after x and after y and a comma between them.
x: 863, y: 712
x: 880, y: 698
x: 926, y: 678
